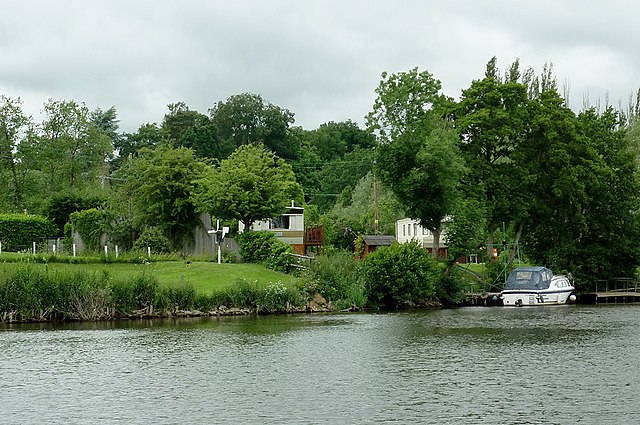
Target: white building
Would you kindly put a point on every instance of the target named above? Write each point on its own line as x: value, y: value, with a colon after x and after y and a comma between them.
x: 289, y: 227
x: 408, y: 229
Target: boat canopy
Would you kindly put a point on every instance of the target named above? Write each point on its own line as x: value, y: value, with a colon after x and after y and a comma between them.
x: 533, y: 278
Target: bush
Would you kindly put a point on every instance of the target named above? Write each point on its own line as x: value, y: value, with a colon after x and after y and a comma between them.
x: 154, y: 238
x: 90, y: 224
x: 19, y: 231
x: 337, y: 278
x: 400, y: 275
x: 277, y: 297
x: 264, y: 248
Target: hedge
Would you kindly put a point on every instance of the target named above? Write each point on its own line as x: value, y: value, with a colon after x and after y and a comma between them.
x: 19, y: 231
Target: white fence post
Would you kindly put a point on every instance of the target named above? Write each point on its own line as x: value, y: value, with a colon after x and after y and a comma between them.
x: 116, y: 251
x: 149, y: 251
x: 74, y: 250
x: 106, y: 250
x: 0, y: 247
x: 34, y: 248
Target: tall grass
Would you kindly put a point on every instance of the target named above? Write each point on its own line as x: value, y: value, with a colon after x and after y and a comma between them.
x: 32, y: 293
x: 337, y: 277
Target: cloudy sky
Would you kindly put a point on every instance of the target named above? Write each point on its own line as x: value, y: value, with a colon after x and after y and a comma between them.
x: 321, y: 59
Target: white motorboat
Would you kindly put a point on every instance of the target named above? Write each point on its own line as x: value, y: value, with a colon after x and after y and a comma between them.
x: 536, y: 286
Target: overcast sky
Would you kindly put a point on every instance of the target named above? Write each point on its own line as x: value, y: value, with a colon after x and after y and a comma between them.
x: 322, y: 60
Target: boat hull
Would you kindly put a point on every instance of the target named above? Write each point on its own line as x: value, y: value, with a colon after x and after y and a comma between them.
x: 519, y: 298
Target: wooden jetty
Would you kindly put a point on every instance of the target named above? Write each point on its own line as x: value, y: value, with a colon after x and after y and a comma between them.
x: 616, y: 291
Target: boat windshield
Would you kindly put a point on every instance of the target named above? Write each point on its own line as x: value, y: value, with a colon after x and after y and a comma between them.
x: 534, y: 278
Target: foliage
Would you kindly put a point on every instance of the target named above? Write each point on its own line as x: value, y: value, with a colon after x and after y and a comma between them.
x: 60, y: 206
x: 399, y: 275
x: 252, y: 184
x: 338, y: 279
x: 248, y: 119
x: 418, y: 158
x: 162, y: 184
x: 30, y: 293
x: 129, y: 144
x: 492, y: 118
x: 19, y: 231
x: 67, y: 149
x: 13, y: 126
x: 90, y: 224
x: 345, y: 221
x: 154, y: 238
x: 191, y: 129
x: 264, y: 248
x: 273, y: 298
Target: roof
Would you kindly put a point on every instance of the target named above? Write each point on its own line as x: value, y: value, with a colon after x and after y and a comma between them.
x: 378, y: 240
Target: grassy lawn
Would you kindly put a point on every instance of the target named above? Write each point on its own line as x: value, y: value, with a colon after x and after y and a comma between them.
x: 206, y: 277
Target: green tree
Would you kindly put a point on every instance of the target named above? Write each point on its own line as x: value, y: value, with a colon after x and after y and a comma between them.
x: 492, y: 118
x: 418, y: 157
x: 60, y: 206
x: 13, y: 127
x: 355, y: 214
x: 194, y: 130
x: 252, y: 184
x: 147, y: 136
x: 68, y: 149
x: 561, y: 165
x: 248, y: 119
x: 162, y: 183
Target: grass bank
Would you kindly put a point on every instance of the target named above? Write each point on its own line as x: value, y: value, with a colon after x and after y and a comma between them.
x: 34, y: 290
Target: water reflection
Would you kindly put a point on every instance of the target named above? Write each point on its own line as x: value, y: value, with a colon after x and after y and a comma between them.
x: 471, y: 365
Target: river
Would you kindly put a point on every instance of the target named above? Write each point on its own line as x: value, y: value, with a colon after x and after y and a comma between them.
x: 475, y: 365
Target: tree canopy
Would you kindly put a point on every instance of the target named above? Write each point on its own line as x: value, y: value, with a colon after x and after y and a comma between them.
x: 252, y: 184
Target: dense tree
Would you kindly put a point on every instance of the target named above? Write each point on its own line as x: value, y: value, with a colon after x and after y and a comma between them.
x: 13, y: 127
x: 194, y: 130
x: 563, y: 167
x: 161, y: 183
x: 492, y: 118
x: 67, y: 148
x: 418, y: 157
x: 60, y: 206
x: 252, y: 184
x: 248, y: 119
x: 147, y: 136
x: 107, y: 122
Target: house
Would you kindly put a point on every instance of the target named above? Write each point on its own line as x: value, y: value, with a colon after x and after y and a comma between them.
x: 408, y: 229
x: 373, y: 242
x: 289, y: 228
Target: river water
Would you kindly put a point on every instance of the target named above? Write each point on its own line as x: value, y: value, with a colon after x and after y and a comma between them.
x: 476, y: 365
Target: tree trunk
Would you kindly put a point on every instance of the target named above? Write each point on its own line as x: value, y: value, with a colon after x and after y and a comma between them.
x: 514, y: 247
x: 435, y: 250
x: 489, y: 246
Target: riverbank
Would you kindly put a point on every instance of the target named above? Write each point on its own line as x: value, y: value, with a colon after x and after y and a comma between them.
x: 92, y: 292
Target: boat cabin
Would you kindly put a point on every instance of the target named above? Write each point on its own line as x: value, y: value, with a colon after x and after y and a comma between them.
x: 533, y: 278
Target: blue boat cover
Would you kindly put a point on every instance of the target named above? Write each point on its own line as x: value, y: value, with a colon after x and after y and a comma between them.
x: 531, y: 278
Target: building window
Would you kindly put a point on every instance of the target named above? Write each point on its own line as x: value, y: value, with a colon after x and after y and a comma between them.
x: 415, y: 229
x: 404, y: 230
x: 409, y: 226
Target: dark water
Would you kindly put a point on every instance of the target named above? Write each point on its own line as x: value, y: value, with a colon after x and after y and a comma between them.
x: 560, y: 365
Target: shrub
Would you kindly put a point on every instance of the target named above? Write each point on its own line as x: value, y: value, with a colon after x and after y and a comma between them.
x: 242, y: 294
x: 19, y: 231
x: 277, y: 297
x: 337, y: 278
x: 90, y: 224
x: 154, y: 238
x: 400, y: 275
x: 264, y: 248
